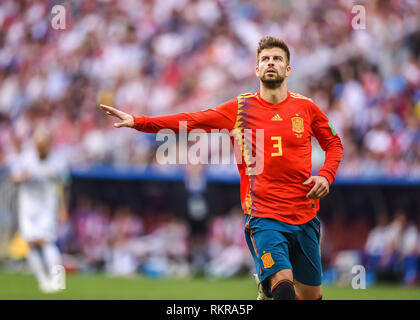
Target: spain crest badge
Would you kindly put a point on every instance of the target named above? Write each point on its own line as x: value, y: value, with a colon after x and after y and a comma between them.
x: 297, y: 124
x: 267, y: 260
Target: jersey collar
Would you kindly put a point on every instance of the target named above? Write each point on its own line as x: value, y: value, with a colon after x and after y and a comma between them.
x: 272, y: 105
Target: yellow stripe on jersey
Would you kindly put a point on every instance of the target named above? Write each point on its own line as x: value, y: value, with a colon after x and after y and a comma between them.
x: 299, y: 96
x: 239, y: 136
x: 248, y: 202
x: 238, y: 131
x: 247, y: 95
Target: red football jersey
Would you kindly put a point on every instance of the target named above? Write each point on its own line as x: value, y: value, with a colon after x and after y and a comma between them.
x: 277, y: 191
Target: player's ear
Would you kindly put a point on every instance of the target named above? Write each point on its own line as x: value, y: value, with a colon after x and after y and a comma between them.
x: 288, y: 70
x: 257, y: 70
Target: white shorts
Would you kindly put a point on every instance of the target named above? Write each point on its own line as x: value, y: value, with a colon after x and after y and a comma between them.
x: 38, y: 226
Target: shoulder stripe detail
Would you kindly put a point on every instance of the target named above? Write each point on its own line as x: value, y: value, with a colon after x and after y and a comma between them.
x: 246, y: 151
x: 299, y: 96
x: 247, y: 95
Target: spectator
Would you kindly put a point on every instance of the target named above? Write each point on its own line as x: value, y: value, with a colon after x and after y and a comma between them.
x: 409, y: 254
x: 376, y: 245
x: 227, y: 246
x: 124, y: 227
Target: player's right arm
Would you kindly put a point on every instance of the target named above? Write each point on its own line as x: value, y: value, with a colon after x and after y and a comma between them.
x: 18, y: 177
x: 18, y: 173
x: 221, y: 117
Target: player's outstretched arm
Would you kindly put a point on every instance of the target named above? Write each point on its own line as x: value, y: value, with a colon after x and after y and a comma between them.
x: 221, y: 117
x: 127, y: 120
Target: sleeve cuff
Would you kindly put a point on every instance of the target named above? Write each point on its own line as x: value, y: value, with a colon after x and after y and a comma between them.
x: 327, y: 175
x: 138, y: 122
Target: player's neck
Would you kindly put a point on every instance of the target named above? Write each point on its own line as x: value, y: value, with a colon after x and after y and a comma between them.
x: 274, y: 95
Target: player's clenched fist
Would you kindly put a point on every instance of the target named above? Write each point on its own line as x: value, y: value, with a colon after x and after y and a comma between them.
x: 127, y: 119
x: 320, y: 189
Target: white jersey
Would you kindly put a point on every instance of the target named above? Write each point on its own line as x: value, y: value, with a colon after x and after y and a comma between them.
x: 39, y: 196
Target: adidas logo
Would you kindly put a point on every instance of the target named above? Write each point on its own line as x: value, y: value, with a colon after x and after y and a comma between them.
x: 276, y: 118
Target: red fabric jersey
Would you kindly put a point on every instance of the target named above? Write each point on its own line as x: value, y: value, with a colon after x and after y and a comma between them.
x: 278, y: 191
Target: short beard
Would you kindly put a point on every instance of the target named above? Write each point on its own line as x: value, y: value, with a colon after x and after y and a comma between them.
x: 272, y: 83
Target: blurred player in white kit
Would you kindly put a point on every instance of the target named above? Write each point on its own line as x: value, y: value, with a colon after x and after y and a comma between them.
x: 39, y: 175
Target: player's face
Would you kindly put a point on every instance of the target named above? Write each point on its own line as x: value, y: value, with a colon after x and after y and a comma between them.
x: 43, y: 146
x: 272, y: 67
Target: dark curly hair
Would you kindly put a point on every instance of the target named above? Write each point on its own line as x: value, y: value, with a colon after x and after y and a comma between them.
x: 269, y: 42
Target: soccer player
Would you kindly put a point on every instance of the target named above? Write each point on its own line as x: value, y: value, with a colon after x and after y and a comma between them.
x: 39, y: 174
x: 281, y: 202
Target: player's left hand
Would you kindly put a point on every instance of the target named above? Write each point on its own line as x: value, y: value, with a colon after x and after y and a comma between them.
x: 320, y: 189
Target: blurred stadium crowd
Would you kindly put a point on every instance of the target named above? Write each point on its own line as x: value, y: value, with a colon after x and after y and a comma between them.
x: 166, y: 56
x: 388, y: 249
x: 125, y: 242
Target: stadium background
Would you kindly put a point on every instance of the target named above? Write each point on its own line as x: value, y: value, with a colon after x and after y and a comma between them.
x: 126, y: 215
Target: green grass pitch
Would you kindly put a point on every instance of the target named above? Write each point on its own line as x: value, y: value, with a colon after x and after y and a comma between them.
x: 22, y: 286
